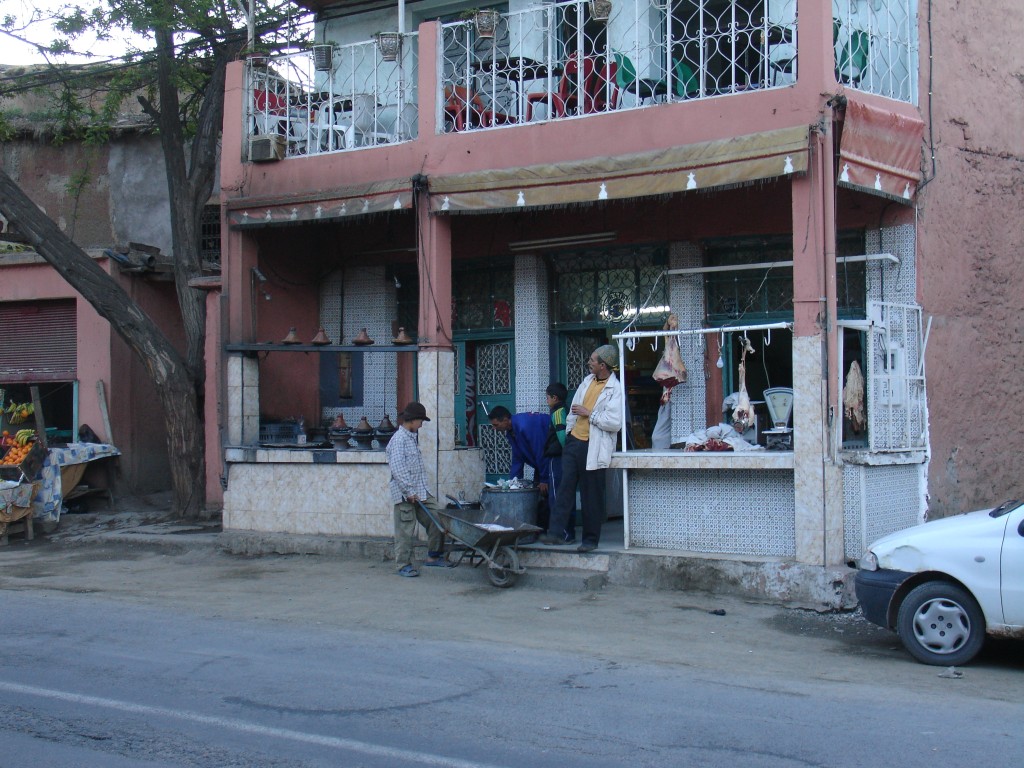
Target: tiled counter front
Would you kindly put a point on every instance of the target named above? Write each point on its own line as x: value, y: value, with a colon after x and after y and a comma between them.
x: 335, y: 493
x: 700, y: 502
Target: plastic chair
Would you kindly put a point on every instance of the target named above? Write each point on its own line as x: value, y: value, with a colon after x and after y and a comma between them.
x: 464, y: 108
x: 366, y: 122
x: 602, y: 91
x: 566, y: 98
x: 330, y: 131
x: 642, y: 88
x: 853, y: 58
x: 271, y: 112
x: 685, y: 82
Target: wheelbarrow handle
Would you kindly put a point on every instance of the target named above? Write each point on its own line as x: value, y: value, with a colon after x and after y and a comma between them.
x: 431, y: 515
x: 453, y: 500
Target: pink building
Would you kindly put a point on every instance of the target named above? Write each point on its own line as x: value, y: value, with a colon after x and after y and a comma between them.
x: 514, y: 199
x: 52, y: 337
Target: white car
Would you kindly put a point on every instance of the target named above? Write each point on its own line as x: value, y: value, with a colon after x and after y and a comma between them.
x: 946, y: 584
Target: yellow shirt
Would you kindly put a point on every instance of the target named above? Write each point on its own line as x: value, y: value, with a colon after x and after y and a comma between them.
x: 581, y: 430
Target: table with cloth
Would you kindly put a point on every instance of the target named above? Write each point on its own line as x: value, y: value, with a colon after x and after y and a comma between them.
x: 62, y: 471
x: 16, y: 505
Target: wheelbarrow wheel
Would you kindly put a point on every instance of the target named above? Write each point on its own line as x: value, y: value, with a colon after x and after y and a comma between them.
x: 503, y: 570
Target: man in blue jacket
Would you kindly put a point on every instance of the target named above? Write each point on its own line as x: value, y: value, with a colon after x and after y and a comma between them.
x: 527, y: 434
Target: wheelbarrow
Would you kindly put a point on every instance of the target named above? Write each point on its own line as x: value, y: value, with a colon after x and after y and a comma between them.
x: 480, y: 536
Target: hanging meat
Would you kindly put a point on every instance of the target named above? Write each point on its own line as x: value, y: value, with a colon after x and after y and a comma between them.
x: 743, y: 413
x: 853, y: 398
x: 670, y: 370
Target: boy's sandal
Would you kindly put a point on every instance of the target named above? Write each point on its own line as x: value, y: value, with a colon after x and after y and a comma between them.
x: 408, y: 570
x: 438, y: 563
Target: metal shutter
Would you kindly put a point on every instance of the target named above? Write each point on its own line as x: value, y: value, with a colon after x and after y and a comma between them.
x: 37, y: 341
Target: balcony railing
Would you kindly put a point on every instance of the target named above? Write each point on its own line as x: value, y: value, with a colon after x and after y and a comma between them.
x: 558, y: 61
x: 876, y: 46
x: 335, y: 98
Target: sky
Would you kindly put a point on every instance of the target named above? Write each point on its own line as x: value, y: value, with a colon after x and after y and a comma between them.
x: 14, y: 52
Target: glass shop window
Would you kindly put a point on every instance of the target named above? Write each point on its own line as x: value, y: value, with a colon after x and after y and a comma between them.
x: 757, y: 292
x: 483, y: 299
x: 609, y: 288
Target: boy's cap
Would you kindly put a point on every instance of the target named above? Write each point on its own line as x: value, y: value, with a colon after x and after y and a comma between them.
x: 415, y: 410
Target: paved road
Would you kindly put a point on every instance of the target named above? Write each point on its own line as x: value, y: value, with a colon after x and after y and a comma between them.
x: 117, y: 655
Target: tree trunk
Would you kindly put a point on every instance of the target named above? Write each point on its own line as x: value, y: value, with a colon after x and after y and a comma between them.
x: 169, y: 372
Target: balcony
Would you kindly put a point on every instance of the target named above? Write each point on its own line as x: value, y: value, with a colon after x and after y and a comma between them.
x: 334, y: 97
x: 564, y: 61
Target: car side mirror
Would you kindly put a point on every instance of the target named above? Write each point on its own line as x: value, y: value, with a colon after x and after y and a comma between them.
x: 1020, y: 528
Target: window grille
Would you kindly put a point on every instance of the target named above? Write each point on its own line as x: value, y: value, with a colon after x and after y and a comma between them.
x: 895, y: 380
x: 209, y: 236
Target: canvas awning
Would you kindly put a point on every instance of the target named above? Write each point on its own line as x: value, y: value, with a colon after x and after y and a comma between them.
x: 343, y: 203
x: 721, y: 163
x: 880, y: 152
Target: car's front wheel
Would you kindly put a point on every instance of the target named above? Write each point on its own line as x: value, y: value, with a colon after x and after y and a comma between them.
x: 941, y: 623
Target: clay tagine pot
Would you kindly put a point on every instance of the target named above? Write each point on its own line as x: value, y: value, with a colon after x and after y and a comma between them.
x: 363, y: 339
x: 339, y: 433
x: 321, y: 338
x: 402, y: 339
x: 363, y: 434
x: 292, y: 337
x: 385, y: 430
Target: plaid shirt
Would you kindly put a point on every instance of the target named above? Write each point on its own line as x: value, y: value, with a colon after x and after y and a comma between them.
x: 408, y: 475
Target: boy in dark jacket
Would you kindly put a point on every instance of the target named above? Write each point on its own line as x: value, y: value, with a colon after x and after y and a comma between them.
x: 556, y: 393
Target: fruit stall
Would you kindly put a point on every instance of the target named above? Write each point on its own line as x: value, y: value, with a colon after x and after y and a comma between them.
x: 22, y: 458
x: 36, y: 478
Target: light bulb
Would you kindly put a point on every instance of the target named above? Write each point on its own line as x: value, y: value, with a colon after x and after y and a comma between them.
x: 720, y: 364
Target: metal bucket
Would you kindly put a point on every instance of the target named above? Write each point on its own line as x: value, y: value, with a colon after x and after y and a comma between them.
x: 519, y: 504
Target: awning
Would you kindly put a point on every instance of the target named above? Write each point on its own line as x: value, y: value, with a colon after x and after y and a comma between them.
x: 880, y: 152
x: 725, y: 162
x: 333, y: 205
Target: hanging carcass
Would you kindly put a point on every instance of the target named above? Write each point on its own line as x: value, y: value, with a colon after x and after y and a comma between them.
x: 743, y: 413
x: 853, y: 398
x: 670, y: 370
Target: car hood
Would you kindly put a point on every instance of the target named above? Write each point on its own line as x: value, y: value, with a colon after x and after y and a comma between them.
x: 931, y: 545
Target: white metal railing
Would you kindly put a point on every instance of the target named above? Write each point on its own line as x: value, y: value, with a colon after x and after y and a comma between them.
x: 876, y: 46
x: 339, y: 97
x: 554, y: 61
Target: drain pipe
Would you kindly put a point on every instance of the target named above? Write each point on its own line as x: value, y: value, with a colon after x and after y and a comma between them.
x: 826, y: 143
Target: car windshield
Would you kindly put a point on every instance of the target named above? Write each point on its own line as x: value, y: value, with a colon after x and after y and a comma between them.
x: 1003, y: 508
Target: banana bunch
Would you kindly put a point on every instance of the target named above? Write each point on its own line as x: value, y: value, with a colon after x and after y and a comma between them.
x: 24, y: 436
x: 18, y: 412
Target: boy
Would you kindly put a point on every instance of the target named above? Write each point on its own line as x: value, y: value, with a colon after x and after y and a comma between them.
x: 556, y: 394
x: 408, y: 488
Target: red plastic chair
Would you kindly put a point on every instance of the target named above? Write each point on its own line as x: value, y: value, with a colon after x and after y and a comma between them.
x: 602, y: 92
x: 463, y: 109
x: 269, y: 102
x: 565, y: 98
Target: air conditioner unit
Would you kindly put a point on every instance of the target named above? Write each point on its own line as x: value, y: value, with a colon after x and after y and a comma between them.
x: 264, y: 149
x: 323, y: 58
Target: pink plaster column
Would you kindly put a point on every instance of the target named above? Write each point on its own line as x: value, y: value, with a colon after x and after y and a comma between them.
x: 435, y: 271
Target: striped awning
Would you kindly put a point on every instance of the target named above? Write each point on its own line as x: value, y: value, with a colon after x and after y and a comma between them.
x: 880, y: 152
x: 342, y: 203
x: 702, y: 166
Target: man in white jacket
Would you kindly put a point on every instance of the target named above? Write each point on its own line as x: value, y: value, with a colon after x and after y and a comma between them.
x: 595, y: 418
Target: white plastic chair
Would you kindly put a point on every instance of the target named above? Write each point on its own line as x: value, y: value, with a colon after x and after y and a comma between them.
x: 368, y: 123
x: 331, y: 130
